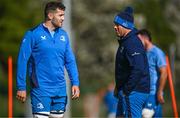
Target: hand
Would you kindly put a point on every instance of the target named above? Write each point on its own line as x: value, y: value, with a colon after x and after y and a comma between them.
x: 21, y: 96
x: 160, y: 97
x: 75, y: 92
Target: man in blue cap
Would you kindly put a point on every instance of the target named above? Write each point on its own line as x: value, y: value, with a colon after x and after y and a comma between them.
x: 131, y: 67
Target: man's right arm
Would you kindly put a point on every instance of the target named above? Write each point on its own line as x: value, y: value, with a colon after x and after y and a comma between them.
x: 23, y: 57
x: 71, y: 66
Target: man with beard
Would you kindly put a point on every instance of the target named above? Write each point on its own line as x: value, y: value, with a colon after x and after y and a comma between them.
x: 45, y: 51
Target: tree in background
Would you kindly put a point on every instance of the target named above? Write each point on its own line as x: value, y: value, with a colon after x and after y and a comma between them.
x: 156, y: 21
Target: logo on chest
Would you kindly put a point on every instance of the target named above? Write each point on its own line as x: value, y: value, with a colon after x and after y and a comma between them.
x: 43, y: 37
x: 62, y: 38
x: 135, y: 53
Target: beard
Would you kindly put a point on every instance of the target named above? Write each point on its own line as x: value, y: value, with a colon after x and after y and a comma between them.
x: 119, y: 37
x: 56, y: 23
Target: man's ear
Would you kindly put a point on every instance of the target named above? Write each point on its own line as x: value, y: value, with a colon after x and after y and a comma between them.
x: 141, y: 38
x: 50, y: 16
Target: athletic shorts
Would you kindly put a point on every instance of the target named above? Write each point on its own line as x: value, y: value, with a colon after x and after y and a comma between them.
x: 131, y: 105
x: 48, y: 104
x: 152, y: 103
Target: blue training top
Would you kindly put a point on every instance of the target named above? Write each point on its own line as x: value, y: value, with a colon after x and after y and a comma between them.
x: 156, y: 60
x: 47, y: 55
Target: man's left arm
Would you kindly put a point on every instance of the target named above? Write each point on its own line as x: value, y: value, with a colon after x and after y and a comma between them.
x: 71, y: 67
x: 75, y: 92
x: 161, y: 64
x: 162, y: 83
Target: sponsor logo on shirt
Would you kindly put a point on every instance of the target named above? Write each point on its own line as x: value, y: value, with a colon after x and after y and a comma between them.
x: 40, y: 106
x: 62, y: 38
x: 135, y: 53
x: 43, y: 37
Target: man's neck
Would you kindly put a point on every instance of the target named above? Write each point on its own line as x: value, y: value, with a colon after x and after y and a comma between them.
x: 149, y: 46
x: 49, y: 25
x: 126, y: 32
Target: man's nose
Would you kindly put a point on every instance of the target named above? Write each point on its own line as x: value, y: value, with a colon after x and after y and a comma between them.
x: 62, y: 18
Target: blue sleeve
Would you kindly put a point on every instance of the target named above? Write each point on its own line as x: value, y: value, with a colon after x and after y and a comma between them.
x: 161, y: 59
x: 137, y: 61
x: 23, y: 57
x: 70, y: 64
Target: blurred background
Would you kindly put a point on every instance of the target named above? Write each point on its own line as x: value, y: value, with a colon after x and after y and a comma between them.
x: 94, y: 42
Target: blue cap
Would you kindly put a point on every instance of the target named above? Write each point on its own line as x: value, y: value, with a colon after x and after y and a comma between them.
x: 125, y: 18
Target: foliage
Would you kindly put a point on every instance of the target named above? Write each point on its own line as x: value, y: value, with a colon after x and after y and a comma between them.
x: 15, y: 18
x: 154, y: 12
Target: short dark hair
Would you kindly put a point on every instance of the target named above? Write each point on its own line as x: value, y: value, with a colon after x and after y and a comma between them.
x: 146, y: 33
x: 52, y: 6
